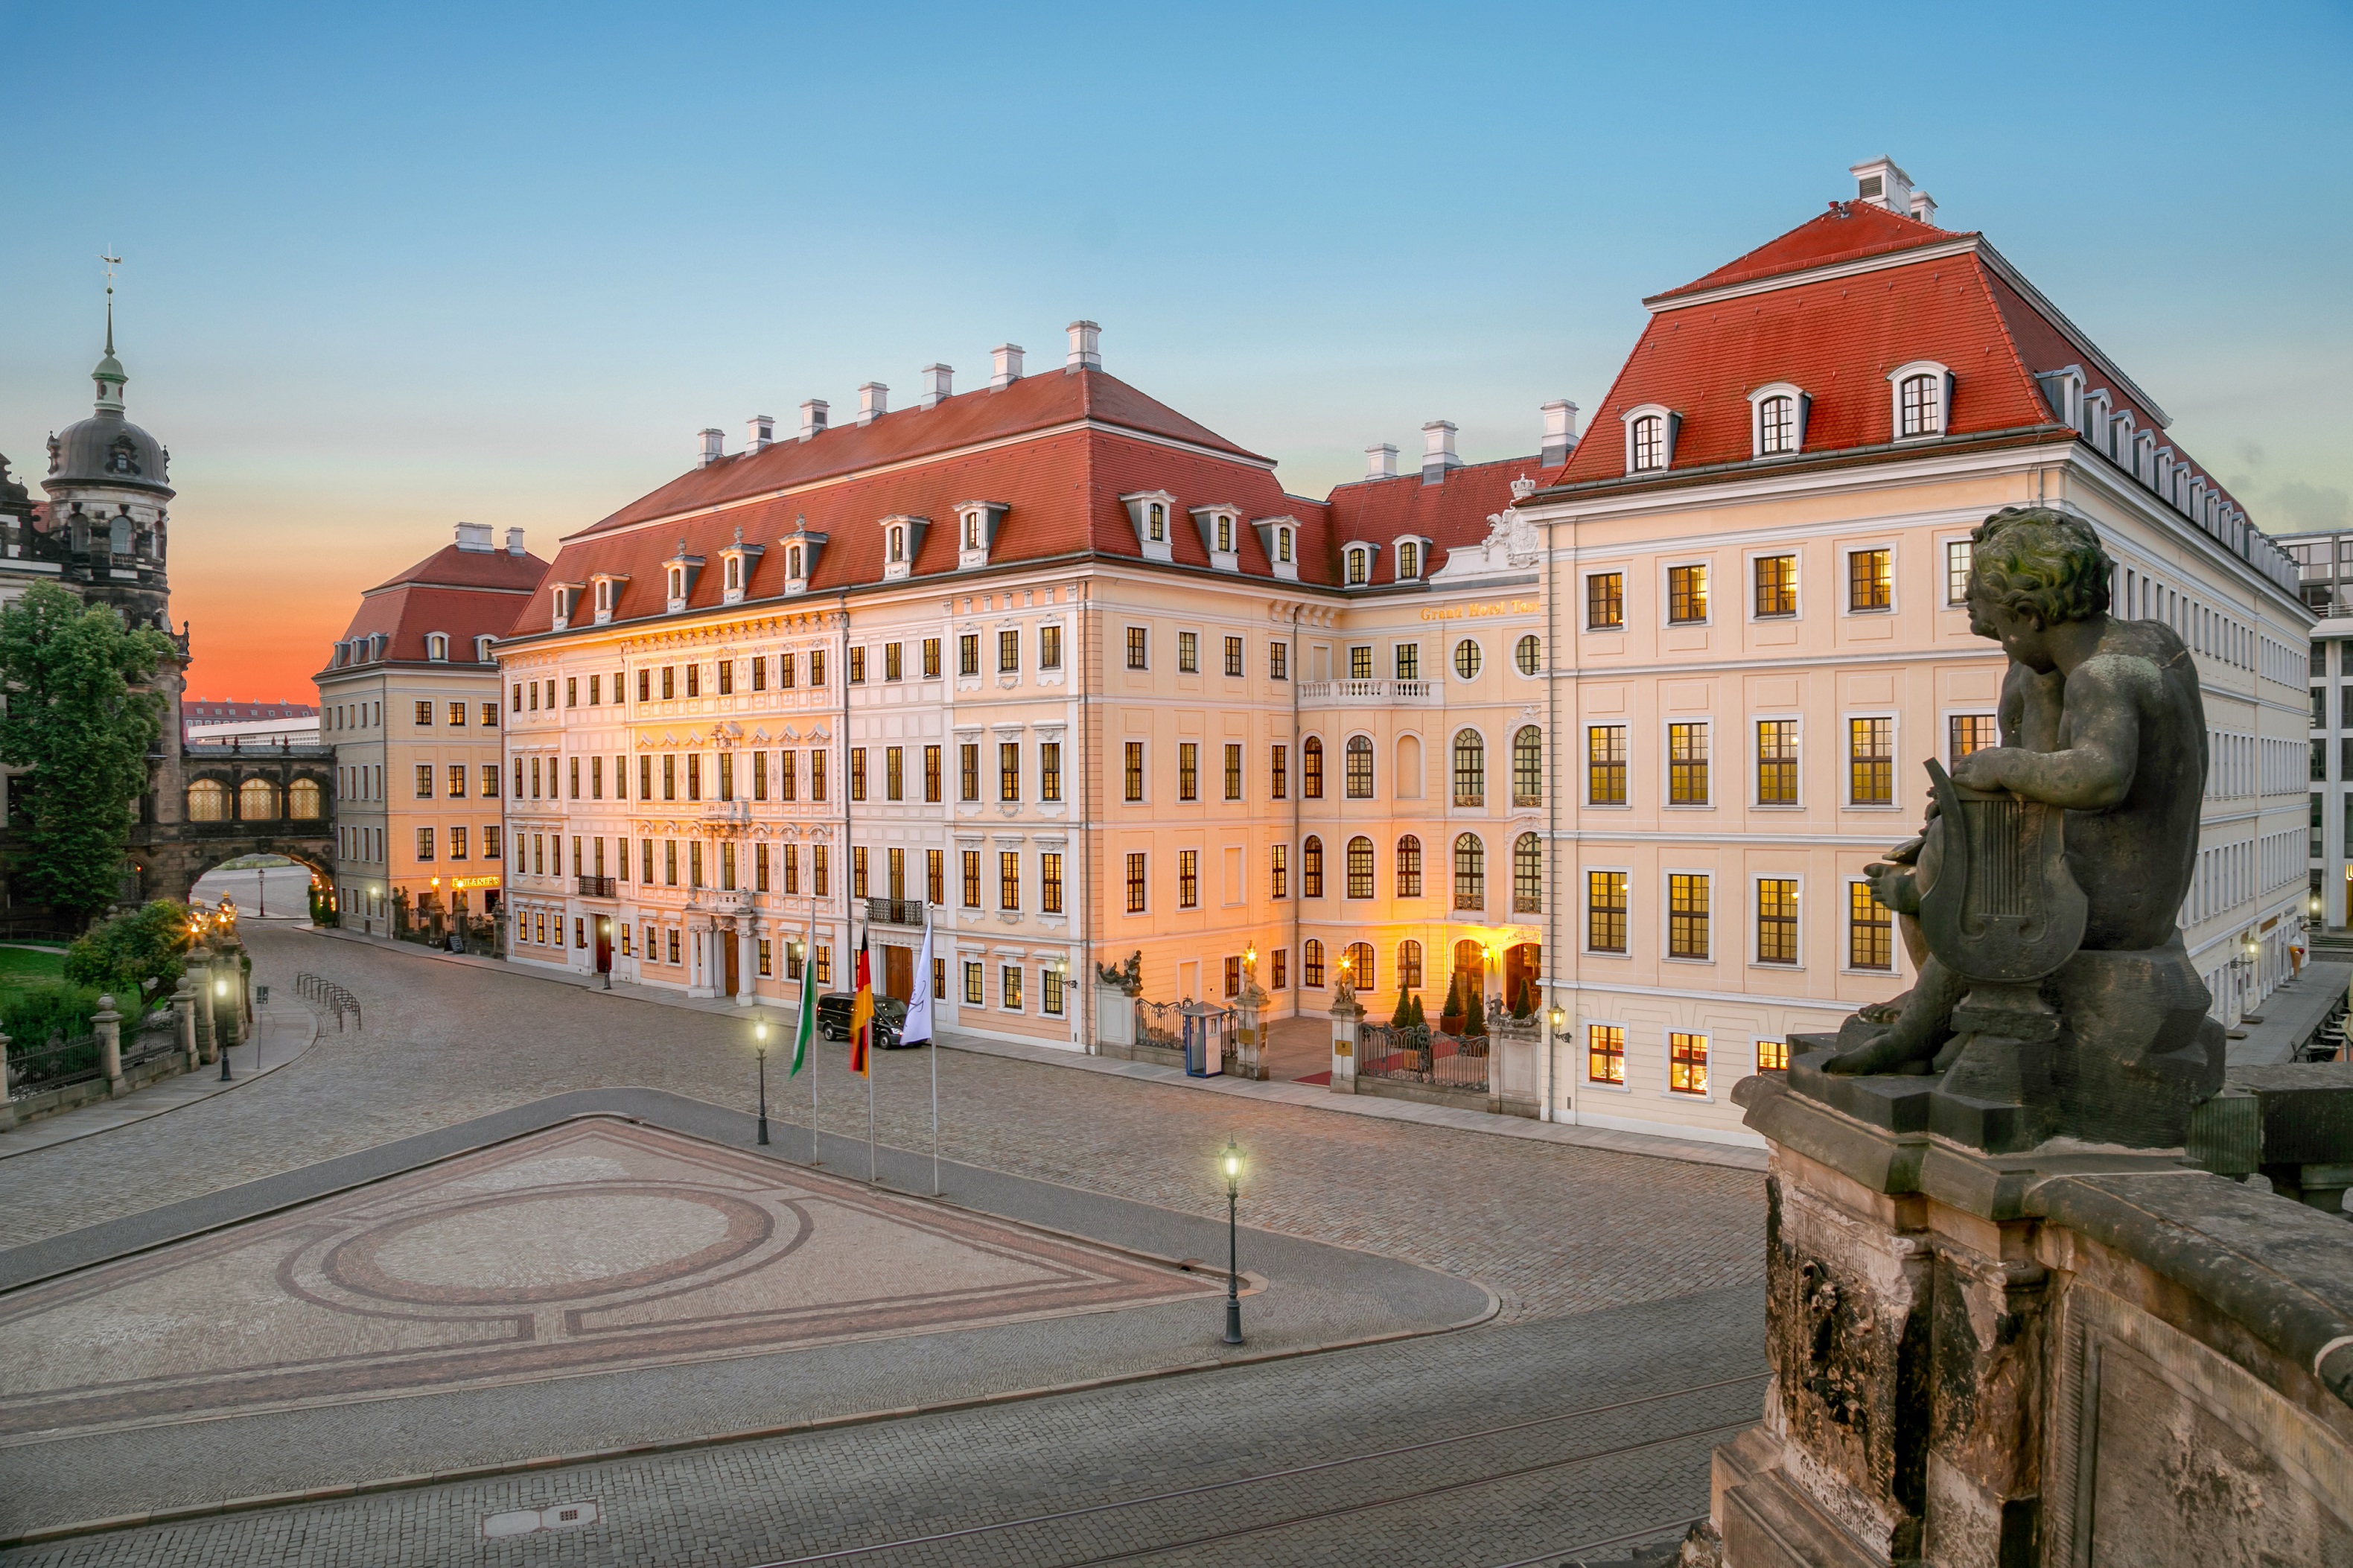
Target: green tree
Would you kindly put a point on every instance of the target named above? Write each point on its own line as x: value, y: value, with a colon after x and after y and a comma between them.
x: 80, y: 731
x: 1476, y: 1025
x: 126, y: 953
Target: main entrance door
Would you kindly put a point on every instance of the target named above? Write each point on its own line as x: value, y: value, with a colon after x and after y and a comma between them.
x: 899, y: 973
x: 604, y: 944
x: 726, y: 940
x: 1523, y: 970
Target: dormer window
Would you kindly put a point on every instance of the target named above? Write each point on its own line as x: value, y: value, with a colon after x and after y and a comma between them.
x: 1150, y: 514
x: 977, y: 525
x: 896, y: 543
x: 902, y: 540
x: 1776, y: 421
x: 1156, y: 527
x: 972, y: 530
x: 1408, y: 559
x: 1218, y: 526
x: 566, y: 599
x: 603, y: 595
x: 483, y: 649
x: 737, y: 561
x: 1650, y: 438
x: 1225, y: 534
x: 437, y: 646
x: 802, y: 552
x: 1923, y: 393
x: 735, y: 574
x: 1282, y: 546
x: 793, y: 563
x: 1360, y: 566
x: 677, y: 590
x: 1279, y: 537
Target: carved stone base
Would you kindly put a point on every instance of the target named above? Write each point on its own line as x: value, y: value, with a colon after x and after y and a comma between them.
x: 2138, y: 1051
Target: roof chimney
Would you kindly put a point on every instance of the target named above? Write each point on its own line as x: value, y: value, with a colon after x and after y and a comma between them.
x: 1923, y: 206
x: 514, y: 542
x: 939, y: 384
x: 1085, y: 354
x: 873, y: 402
x: 1880, y: 184
x: 813, y: 418
x: 1437, y: 450
x: 714, y: 443
x: 1380, y: 461
x: 1559, y: 432
x: 474, y: 537
x: 1008, y: 366
x: 761, y: 434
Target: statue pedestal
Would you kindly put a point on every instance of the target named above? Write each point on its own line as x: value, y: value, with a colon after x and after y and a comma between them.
x: 1997, y: 1359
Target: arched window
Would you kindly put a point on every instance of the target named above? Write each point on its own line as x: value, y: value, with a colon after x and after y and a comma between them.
x: 1357, y: 964
x: 1225, y: 535
x: 1920, y: 405
x: 1311, y: 769
x: 793, y: 561
x: 1360, y: 868
x: 1310, y: 964
x: 117, y: 535
x: 1777, y: 424
x: 207, y: 802
x: 736, y: 570
x: 305, y: 800
x: 1649, y: 443
x: 677, y: 582
x: 256, y: 801
x: 1310, y: 867
x: 1360, y: 567
x: 1408, y: 559
x: 1360, y: 767
x: 898, y: 544
x: 1470, y: 768
x: 1283, y: 544
x: 1467, y: 658
x: 1470, y: 873
x: 1409, y: 965
x: 1527, y: 766
x: 1157, y: 524
x: 1527, y: 874
x: 972, y: 530
x: 1408, y: 868
x: 1528, y: 654
x: 436, y: 649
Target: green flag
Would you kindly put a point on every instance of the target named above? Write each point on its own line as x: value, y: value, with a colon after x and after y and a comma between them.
x: 808, y: 1026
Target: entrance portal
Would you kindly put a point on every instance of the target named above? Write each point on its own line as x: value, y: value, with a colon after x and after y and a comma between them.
x: 726, y: 940
x: 1523, y: 970
x: 899, y: 973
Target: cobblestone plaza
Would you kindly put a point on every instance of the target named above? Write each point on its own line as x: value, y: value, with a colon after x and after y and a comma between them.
x: 1619, y: 1281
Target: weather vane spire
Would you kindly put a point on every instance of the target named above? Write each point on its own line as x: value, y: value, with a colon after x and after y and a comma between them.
x: 112, y: 262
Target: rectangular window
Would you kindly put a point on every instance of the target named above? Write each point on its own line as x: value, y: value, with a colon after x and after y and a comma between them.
x: 895, y: 772
x: 1281, y: 854
x: 890, y: 670
x: 424, y: 711
x: 759, y: 677
x: 1605, y: 601
x: 856, y: 667
x: 1008, y: 769
x: 1777, y: 920
x: 1189, y: 878
x: 935, y: 875
x: 1871, y: 930
x: 1234, y: 656
x: 931, y: 659
x: 1687, y: 1063
x: 1189, y: 653
x: 694, y: 775
x: 1870, y: 579
x: 1279, y: 979
x: 1605, y: 765
x: 458, y: 710
x: 1049, y: 991
x: 490, y: 781
x: 425, y: 779
x: 1135, y: 884
x: 1605, y: 911
x: 1604, y: 1053
x: 858, y: 882
x: 788, y: 776
x: 1008, y: 651
x: 1687, y: 764
x: 972, y: 984
x: 1959, y: 554
x: 1050, y: 883
x: 668, y: 682
x: 817, y: 773
x: 1050, y: 650
x: 1050, y: 770
x: 1776, y: 762
x: 1008, y: 987
x: 1360, y: 664
x: 1133, y: 764
x: 694, y: 681
x: 857, y: 773
x: 758, y: 762
x: 820, y: 874
x: 458, y: 779
x: 759, y: 866
x: 1405, y: 658
x: 822, y: 967
x: 969, y: 771
x: 425, y: 844
x: 1234, y: 771
x: 694, y: 865
x: 1871, y: 761
x: 1008, y: 879
x: 968, y: 654
x: 726, y: 678
x: 1968, y: 733
x: 1137, y: 648
x: 646, y: 859
x: 1188, y: 771
x: 1686, y: 593
x: 597, y: 778
x: 490, y: 844
x: 790, y: 855
x: 1777, y: 585
x: 931, y: 773
x: 1279, y: 775
x: 1278, y: 661
x: 1687, y: 926
x: 971, y: 867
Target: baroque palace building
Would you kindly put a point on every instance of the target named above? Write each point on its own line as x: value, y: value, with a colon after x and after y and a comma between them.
x: 1754, y: 571
x: 410, y: 703
x: 1058, y: 671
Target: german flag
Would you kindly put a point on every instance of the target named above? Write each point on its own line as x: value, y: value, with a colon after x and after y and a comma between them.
x: 861, y: 1016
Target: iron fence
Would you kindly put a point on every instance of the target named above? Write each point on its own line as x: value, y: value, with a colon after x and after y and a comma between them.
x: 54, y: 1065
x: 1419, y: 1054
x: 329, y: 996
x: 158, y: 1035
x: 1160, y: 1025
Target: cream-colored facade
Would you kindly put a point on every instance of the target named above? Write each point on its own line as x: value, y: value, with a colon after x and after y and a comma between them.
x: 1835, y: 702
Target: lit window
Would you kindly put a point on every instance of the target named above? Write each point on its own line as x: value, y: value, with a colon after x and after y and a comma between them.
x: 1409, y: 965
x: 1470, y: 769
x: 1527, y: 874
x: 1605, y: 601
x: 1360, y: 868
x: 1310, y: 867
x: 1687, y: 1063
x: 1777, y: 585
x: 1604, y: 1053
x: 1605, y: 766
x: 1409, y: 559
x: 1311, y: 769
x: 1686, y: 593
x: 1527, y: 766
x: 1469, y: 872
x: 1970, y: 732
x: 1870, y: 579
x: 1776, y: 762
x: 1687, y: 915
x: 1408, y: 869
x: 1360, y: 567
x: 1870, y: 942
x: 1772, y: 1055
x: 1871, y: 761
x: 1777, y: 919
x: 1687, y: 781
x: 1310, y: 964
x: 1360, y: 767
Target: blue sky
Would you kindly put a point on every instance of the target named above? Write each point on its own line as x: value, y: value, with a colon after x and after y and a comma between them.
x: 388, y: 268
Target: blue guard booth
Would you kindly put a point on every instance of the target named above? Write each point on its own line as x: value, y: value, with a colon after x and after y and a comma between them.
x: 1204, y: 1039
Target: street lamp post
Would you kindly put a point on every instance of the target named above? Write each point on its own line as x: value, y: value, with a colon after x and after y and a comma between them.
x: 1233, y: 1167
x: 220, y: 991
x: 760, y: 1034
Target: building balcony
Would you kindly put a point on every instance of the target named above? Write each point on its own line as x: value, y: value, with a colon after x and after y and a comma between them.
x: 1350, y: 693
x: 898, y: 912
x: 598, y: 887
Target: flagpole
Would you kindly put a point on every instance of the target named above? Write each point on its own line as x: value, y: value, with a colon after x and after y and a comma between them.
x: 924, y: 980
x: 870, y: 1070
x: 809, y: 1007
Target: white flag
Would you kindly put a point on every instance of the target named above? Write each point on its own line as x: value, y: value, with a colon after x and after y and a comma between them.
x: 917, y: 1030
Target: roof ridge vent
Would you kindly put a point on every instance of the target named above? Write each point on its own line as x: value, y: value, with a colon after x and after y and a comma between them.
x: 1880, y: 182
x: 474, y: 538
x: 813, y: 414
x: 939, y: 385
x: 1086, y: 350
x: 873, y: 402
x: 1008, y: 360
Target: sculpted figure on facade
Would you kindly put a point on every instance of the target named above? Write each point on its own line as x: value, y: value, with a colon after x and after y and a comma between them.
x: 2055, y: 995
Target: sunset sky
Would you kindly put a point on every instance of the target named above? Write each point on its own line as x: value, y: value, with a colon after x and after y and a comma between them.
x: 386, y: 268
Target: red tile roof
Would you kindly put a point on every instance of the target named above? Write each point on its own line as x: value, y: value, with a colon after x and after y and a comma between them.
x: 1850, y: 231
x: 464, y: 594
x: 1032, y: 403
x: 1451, y: 514
x: 451, y: 567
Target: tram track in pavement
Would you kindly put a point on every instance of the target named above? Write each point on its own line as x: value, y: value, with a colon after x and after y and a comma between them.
x: 1001, y: 1529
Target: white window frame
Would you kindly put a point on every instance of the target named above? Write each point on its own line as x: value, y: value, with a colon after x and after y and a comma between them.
x: 1850, y: 548
x: 1896, y: 952
x: 1581, y: 1043
x: 1667, y: 760
x: 437, y: 648
x: 1667, y: 915
x: 1748, y: 560
x: 1945, y: 543
x: 1584, y: 907
x: 1667, y: 1065
x: 1846, y: 762
x: 1421, y: 558
x: 1669, y: 425
x: 1757, y: 401
x: 1755, y: 777
x: 1755, y: 931
x: 1945, y: 717
x: 1666, y: 595
x: 1349, y: 555
x: 1944, y: 384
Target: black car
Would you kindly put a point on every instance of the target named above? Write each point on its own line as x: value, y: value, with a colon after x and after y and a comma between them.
x: 833, y: 1018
